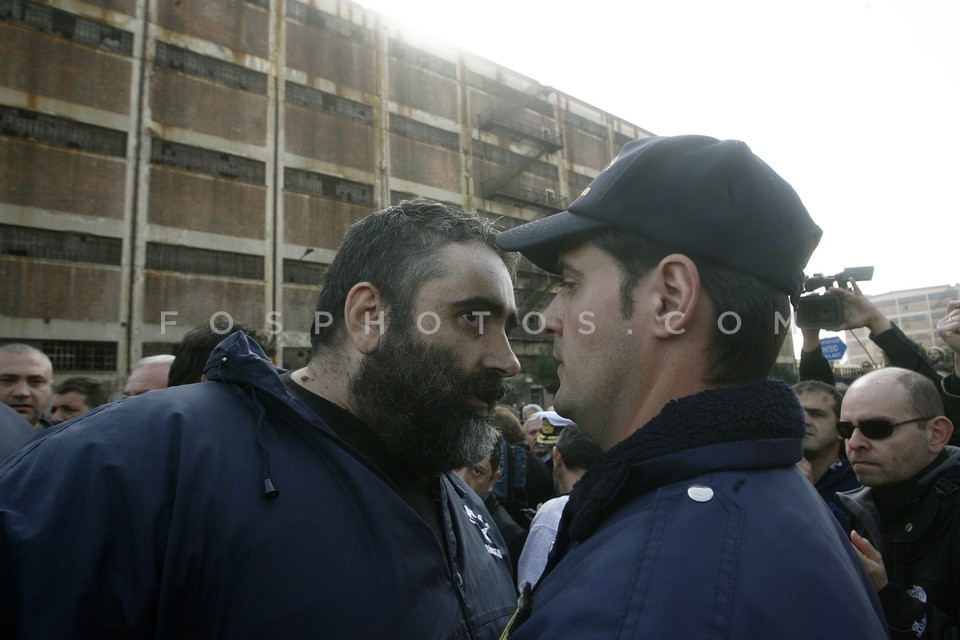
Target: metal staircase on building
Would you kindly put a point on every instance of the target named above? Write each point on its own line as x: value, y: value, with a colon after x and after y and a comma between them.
x: 505, y: 121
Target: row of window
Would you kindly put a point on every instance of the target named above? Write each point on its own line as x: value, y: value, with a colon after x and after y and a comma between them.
x: 28, y: 242
x: 85, y: 31
x: 317, y: 100
x: 97, y: 356
x: 319, y: 184
x: 40, y: 127
x: 31, y: 125
x: 213, y: 69
x: 77, y: 355
x: 422, y: 59
x: 44, y: 244
x: 66, y: 25
x: 315, y: 17
x: 207, y: 161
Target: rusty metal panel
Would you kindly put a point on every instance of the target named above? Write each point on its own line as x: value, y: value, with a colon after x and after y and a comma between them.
x: 419, y: 58
x: 340, y: 141
x: 585, y: 149
x: 69, y: 72
x: 309, y: 274
x: 193, y: 104
x: 318, y: 222
x: 61, y: 180
x: 424, y: 163
x: 324, y: 54
x: 128, y: 7
x: 584, y: 124
x: 197, y: 298
x: 299, y: 303
x: 415, y: 87
x: 204, y: 203
x: 59, y: 290
x: 241, y: 26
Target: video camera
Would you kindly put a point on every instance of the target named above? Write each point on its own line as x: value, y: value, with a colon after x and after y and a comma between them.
x: 819, y: 311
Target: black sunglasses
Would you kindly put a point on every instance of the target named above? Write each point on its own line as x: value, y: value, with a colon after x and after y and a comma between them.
x: 877, y: 429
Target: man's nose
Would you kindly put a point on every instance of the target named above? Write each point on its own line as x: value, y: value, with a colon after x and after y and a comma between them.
x: 500, y: 356
x: 21, y: 389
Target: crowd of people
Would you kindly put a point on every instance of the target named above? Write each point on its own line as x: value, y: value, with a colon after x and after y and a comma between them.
x: 385, y: 490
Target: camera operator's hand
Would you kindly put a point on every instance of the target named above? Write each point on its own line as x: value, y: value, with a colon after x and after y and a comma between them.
x: 949, y: 329
x: 858, y: 311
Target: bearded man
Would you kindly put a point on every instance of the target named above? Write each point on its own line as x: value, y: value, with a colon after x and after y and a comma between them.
x: 313, y: 504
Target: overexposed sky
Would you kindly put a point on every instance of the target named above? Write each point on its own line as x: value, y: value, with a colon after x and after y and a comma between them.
x: 855, y: 103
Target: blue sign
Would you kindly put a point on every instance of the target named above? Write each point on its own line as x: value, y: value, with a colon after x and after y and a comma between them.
x: 833, y: 348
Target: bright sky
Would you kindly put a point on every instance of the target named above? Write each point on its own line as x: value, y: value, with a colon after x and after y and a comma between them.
x: 855, y: 103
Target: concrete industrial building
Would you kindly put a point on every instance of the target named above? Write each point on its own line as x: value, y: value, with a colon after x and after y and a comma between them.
x: 162, y: 162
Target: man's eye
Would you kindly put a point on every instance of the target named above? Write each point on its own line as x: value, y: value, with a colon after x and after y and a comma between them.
x: 474, y: 318
x: 565, y: 284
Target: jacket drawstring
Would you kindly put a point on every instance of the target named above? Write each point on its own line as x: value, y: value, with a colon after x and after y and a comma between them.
x: 269, y: 491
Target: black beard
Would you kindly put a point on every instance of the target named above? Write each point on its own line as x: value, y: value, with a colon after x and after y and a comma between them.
x: 416, y: 397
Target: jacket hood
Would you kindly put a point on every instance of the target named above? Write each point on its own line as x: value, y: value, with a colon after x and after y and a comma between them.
x: 240, y: 361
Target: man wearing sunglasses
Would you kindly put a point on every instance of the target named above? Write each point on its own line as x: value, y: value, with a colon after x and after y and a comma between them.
x: 906, y: 517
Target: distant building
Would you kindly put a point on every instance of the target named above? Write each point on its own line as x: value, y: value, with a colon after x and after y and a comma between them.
x: 163, y: 162
x: 915, y: 311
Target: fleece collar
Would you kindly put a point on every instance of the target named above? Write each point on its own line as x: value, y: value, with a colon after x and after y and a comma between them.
x: 755, y: 426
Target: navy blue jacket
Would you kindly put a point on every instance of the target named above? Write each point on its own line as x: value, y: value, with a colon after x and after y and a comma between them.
x: 14, y: 430
x: 699, y: 525
x: 147, y: 518
x: 838, y: 477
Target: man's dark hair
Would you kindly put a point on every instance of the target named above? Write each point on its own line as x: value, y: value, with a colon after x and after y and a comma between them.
x: 735, y: 357
x: 192, y: 353
x: 577, y: 449
x: 394, y: 249
x: 92, y: 390
x: 816, y: 386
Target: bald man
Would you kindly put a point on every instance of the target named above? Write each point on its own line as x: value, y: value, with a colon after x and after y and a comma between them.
x: 148, y: 374
x: 26, y: 382
x: 906, y: 518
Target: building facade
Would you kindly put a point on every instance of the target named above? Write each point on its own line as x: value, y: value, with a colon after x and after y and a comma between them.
x: 162, y: 162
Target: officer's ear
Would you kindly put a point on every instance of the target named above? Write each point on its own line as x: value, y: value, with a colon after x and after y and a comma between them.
x: 676, y: 285
x: 940, y: 430
x: 364, y: 315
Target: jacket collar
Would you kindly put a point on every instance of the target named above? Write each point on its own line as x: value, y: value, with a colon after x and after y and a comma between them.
x: 923, y: 504
x: 758, y: 425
